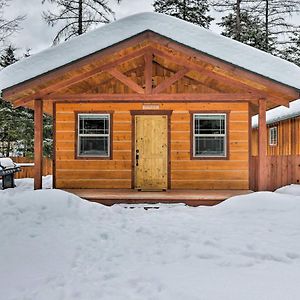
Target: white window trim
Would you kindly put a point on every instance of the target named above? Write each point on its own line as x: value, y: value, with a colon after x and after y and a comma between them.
x: 210, y: 135
x: 273, y: 142
x: 79, y: 135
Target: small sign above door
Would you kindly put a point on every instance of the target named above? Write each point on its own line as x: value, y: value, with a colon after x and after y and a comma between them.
x: 150, y: 106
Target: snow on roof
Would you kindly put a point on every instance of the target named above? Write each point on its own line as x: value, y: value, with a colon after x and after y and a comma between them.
x: 178, y: 30
x: 280, y: 113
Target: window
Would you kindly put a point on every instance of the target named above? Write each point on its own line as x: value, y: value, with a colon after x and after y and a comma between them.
x: 93, y: 135
x: 209, y: 135
x: 273, y: 136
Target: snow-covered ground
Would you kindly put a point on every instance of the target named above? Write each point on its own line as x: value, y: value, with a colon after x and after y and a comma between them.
x: 54, y: 245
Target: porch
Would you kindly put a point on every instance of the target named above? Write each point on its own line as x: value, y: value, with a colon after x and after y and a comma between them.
x: 189, y: 197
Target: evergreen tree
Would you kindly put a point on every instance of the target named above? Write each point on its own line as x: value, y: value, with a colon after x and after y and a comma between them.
x: 292, y: 51
x: 11, y: 120
x: 271, y: 17
x: 234, y: 10
x: 17, y: 124
x: 77, y: 16
x: 194, y: 11
x: 8, y: 57
x: 251, y: 30
x: 275, y: 14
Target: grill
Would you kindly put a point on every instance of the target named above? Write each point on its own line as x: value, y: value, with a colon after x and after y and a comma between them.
x: 7, y: 171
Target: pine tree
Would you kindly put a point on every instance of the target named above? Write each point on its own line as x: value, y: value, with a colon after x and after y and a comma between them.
x: 275, y: 14
x: 194, y: 11
x: 77, y: 16
x: 233, y: 8
x: 17, y: 124
x: 292, y: 51
x: 8, y: 56
x: 8, y: 135
x: 271, y: 16
x: 251, y: 30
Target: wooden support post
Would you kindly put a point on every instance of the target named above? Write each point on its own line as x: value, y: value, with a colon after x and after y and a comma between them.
x: 38, y: 143
x: 148, y: 71
x: 262, y: 146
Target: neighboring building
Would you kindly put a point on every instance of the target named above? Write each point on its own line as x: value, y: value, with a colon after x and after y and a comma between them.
x: 283, y: 130
x: 151, y: 102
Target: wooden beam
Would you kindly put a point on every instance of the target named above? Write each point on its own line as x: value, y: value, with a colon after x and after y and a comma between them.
x: 289, y: 92
x: 83, y: 76
x: 191, y: 77
x: 234, y: 82
x: 168, y: 82
x: 213, y: 97
x: 91, y: 58
x: 148, y: 71
x: 167, y: 55
x: 262, y: 146
x: 236, y: 70
x: 126, y: 80
x: 38, y: 143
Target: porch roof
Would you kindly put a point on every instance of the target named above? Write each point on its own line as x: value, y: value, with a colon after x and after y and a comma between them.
x: 280, y: 113
x: 190, y: 35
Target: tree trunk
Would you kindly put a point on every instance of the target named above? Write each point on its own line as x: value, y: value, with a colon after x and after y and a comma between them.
x: 7, y: 149
x: 238, y: 20
x: 267, y: 25
x: 80, y: 17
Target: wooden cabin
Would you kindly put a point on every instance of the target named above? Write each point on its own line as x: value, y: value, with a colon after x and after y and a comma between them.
x: 151, y: 103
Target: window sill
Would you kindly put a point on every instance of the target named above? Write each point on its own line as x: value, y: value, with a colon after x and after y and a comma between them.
x: 93, y: 157
x: 209, y: 157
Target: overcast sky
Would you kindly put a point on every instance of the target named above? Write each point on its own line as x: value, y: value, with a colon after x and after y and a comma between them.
x: 37, y: 35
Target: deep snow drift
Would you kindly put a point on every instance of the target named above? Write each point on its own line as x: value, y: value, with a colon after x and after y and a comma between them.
x: 55, y: 245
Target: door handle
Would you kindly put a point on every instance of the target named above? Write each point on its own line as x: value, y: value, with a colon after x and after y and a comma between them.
x: 137, y: 156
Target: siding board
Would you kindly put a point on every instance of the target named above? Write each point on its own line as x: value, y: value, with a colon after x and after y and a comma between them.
x: 185, y: 173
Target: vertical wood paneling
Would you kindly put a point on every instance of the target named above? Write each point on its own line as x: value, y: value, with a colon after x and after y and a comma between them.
x: 288, y: 138
x: 281, y: 170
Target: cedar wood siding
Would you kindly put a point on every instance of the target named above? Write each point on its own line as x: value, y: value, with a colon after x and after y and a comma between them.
x: 288, y: 138
x: 185, y: 173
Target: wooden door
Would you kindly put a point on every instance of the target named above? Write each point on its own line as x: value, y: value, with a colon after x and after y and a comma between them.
x: 151, y: 152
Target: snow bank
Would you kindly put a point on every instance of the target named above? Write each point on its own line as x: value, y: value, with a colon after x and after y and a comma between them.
x: 55, y: 245
x: 26, y: 184
x: 292, y: 189
x: 175, y: 29
x: 280, y: 113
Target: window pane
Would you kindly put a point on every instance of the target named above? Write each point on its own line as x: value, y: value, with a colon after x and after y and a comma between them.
x: 93, y: 124
x: 93, y: 146
x: 209, y: 124
x: 273, y: 136
x: 210, y: 146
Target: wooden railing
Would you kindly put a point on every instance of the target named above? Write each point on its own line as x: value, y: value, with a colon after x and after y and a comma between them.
x: 28, y: 171
x: 281, y: 170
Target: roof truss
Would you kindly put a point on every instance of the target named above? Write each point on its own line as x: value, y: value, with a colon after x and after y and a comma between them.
x: 250, y: 85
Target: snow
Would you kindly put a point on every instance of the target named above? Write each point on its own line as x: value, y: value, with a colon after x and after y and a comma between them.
x: 280, y: 113
x: 55, y: 245
x: 175, y: 29
x: 6, y: 162
x: 292, y: 189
